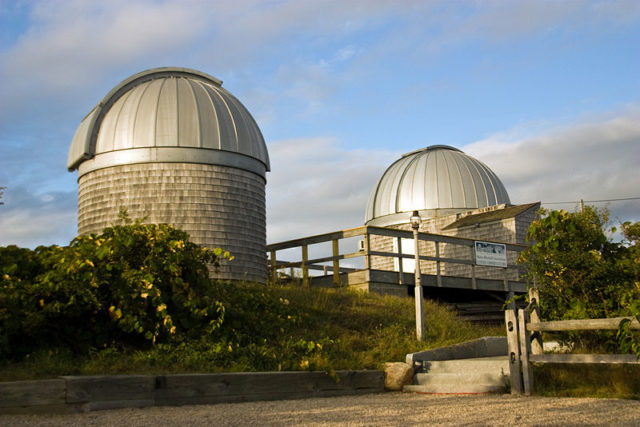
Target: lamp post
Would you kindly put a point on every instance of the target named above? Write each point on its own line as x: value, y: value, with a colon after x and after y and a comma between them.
x: 415, y: 225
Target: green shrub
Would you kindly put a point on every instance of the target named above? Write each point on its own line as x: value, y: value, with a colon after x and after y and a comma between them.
x: 581, y: 273
x: 134, y: 285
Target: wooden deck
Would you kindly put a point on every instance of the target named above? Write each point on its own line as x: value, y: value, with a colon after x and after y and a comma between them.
x: 385, y: 281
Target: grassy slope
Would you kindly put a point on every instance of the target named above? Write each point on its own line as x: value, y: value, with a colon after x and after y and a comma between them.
x: 357, y: 331
x: 354, y: 330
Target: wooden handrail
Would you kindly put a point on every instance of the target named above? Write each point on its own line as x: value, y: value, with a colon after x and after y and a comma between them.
x: 581, y: 324
x: 380, y: 231
x: 585, y: 358
x: 366, y: 232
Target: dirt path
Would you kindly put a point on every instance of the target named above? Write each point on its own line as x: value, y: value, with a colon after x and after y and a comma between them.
x: 386, y: 409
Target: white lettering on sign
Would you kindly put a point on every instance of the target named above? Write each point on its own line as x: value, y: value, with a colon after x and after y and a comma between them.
x: 491, y: 254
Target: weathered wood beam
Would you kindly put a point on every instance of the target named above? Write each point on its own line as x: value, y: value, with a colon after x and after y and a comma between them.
x: 581, y: 324
x: 585, y: 358
x: 511, y: 323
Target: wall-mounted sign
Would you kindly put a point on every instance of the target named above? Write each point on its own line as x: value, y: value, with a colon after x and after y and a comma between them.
x: 491, y: 254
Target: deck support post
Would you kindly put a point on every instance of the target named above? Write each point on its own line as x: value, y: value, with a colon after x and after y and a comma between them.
x: 400, y: 261
x: 438, y: 274
x: 336, y: 262
x: 305, y: 268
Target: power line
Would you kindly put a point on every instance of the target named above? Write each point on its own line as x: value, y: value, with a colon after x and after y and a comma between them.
x: 591, y: 201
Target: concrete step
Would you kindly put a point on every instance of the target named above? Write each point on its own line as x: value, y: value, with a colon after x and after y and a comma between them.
x: 458, y: 378
x: 455, y: 388
x: 479, y: 375
x: 480, y: 364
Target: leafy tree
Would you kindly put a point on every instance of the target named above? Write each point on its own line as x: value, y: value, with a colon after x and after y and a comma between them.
x: 582, y: 273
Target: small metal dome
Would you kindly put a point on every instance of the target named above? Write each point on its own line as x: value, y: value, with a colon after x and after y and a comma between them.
x: 169, y: 115
x: 437, y: 180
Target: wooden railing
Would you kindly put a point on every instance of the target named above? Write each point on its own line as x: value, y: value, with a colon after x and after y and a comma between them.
x: 525, y: 344
x: 305, y: 264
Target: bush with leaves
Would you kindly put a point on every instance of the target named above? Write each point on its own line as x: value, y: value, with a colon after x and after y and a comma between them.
x: 581, y: 273
x: 134, y: 284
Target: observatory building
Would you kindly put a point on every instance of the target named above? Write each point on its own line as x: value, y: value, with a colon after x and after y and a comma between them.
x: 170, y: 145
x: 455, y: 195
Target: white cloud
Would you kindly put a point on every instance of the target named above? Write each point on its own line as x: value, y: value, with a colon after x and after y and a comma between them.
x: 72, y: 44
x: 30, y: 220
x: 318, y: 186
x: 590, y: 161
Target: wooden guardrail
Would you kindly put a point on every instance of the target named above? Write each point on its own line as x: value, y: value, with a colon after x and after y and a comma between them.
x: 525, y: 346
x: 305, y: 264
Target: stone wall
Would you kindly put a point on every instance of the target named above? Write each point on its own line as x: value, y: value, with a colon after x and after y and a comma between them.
x: 218, y: 206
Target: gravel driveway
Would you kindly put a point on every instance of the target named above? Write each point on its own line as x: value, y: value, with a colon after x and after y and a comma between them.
x: 385, y: 409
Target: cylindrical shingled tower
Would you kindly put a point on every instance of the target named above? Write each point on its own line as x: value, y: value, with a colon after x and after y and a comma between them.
x: 172, y: 146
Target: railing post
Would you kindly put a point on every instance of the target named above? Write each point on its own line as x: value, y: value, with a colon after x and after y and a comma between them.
x: 537, y: 346
x: 525, y: 351
x: 305, y: 269
x: 474, y: 285
x: 505, y: 281
x: 336, y: 263
x: 511, y: 299
x: 274, y: 268
x: 367, y: 249
x: 400, y: 261
x: 438, y: 275
x: 511, y: 322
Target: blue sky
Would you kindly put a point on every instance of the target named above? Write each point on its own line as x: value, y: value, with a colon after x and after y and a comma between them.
x: 546, y: 93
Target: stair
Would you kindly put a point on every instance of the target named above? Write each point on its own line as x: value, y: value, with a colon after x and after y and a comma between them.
x: 479, y: 375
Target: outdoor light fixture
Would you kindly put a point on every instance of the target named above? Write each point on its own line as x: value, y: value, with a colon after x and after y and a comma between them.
x: 415, y: 224
x: 415, y: 220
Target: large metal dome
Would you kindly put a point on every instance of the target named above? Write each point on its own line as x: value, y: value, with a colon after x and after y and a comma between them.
x: 171, y: 146
x: 169, y: 115
x: 437, y: 180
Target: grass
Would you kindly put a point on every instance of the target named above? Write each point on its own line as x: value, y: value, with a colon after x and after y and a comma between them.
x: 587, y: 380
x: 334, y: 329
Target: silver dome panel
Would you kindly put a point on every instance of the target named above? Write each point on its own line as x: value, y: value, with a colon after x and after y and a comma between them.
x: 438, y: 180
x: 168, y: 107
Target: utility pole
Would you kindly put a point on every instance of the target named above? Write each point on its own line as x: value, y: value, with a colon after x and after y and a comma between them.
x: 1, y: 194
x: 415, y: 225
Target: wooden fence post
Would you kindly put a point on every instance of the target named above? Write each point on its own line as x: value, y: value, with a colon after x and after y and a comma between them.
x: 537, y: 346
x: 336, y: 263
x: 511, y: 322
x: 305, y: 268
x: 525, y: 351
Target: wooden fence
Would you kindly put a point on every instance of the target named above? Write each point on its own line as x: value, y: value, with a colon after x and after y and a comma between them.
x: 525, y: 346
x: 345, y: 275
